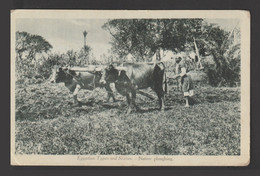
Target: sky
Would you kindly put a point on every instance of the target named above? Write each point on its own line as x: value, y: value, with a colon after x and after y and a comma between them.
x: 66, y: 34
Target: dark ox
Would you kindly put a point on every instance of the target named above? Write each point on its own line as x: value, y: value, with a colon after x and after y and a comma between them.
x: 75, y: 81
x: 133, y: 76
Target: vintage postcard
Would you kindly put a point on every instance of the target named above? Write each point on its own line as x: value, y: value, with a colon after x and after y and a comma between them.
x: 130, y: 88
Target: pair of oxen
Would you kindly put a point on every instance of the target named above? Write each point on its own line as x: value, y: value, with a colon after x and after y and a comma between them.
x: 128, y: 79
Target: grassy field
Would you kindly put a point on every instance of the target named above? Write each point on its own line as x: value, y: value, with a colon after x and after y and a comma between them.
x: 48, y: 123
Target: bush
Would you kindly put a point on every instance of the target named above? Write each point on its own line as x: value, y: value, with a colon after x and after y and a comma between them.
x: 226, y: 68
x: 45, y: 69
x: 28, y: 72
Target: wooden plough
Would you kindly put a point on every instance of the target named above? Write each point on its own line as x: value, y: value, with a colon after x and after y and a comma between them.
x: 152, y: 97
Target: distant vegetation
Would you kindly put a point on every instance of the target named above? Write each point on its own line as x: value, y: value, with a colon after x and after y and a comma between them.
x: 145, y: 37
x: 34, y: 59
x: 142, y: 38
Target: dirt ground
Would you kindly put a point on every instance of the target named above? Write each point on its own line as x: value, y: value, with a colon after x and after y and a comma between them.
x: 47, y: 122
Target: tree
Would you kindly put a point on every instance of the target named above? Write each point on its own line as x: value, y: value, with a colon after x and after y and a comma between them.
x: 144, y: 37
x: 215, y: 42
x: 84, y: 56
x: 85, y: 33
x: 130, y: 36
x: 27, y: 47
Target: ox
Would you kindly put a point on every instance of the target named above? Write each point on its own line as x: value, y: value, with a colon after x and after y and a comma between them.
x: 75, y: 80
x: 133, y: 76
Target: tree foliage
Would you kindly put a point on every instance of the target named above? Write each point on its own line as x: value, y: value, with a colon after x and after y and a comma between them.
x: 28, y: 45
x: 29, y: 51
x: 225, y: 53
x: 142, y: 38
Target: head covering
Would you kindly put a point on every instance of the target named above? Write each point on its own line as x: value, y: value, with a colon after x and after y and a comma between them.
x: 178, y: 60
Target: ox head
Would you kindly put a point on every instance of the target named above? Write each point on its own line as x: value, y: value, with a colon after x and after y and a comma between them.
x: 58, y: 74
x: 109, y: 75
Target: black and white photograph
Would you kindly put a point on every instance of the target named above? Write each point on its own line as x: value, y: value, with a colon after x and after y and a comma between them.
x: 130, y: 88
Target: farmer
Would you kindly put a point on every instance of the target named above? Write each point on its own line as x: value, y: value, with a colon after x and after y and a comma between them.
x: 185, y: 80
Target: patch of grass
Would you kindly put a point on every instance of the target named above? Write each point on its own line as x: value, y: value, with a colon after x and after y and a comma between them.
x: 46, y: 123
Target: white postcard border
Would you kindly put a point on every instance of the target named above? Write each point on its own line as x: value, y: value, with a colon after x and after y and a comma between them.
x: 141, y: 160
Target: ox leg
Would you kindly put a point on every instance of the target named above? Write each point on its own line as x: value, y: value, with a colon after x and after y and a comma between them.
x: 113, y: 97
x: 161, y: 101
x: 133, y: 99
x: 109, y: 93
x: 75, y: 95
x: 160, y: 95
x: 179, y: 84
x: 162, y: 106
x: 129, y: 103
